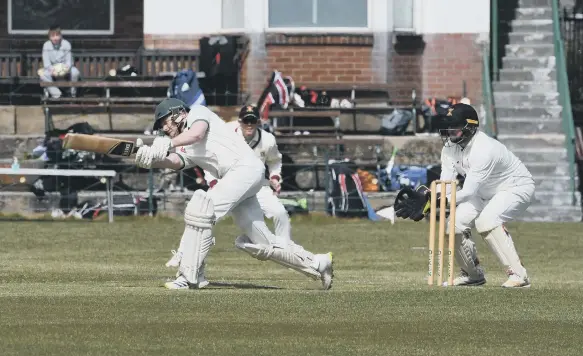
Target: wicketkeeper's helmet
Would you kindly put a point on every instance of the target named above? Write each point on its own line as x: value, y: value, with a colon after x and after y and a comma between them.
x: 461, y: 122
x: 168, y: 106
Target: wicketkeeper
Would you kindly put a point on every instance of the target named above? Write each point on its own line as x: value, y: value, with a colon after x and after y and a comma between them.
x: 202, y: 139
x: 497, y: 189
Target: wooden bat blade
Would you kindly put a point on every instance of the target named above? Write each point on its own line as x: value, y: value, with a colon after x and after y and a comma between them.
x: 99, y: 144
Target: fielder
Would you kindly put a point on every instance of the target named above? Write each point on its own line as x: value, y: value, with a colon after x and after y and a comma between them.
x: 264, y: 145
x: 202, y: 139
x: 497, y: 189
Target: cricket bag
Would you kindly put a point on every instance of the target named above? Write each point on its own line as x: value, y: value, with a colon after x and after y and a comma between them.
x: 345, y: 194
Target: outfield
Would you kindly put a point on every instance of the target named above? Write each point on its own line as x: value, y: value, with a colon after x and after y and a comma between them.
x: 77, y: 288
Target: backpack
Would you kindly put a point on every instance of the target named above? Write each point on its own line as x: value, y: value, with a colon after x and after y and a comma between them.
x: 345, y: 195
x: 184, y: 86
x: 396, y: 123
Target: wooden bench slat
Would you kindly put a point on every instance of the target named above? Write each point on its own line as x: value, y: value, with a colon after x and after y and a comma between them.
x: 305, y: 128
x: 349, y: 87
x: 304, y: 113
x: 92, y: 105
x: 105, y: 100
x: 107, y: 84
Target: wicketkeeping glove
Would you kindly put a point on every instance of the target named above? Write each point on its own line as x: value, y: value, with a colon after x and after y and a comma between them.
x: 411, y: 204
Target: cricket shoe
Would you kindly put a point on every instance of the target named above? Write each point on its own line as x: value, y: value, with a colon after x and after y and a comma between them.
x: 464, y: 278
x: 326, y: 269
x: 181, y: 283
x: 174, y: 261
x: 516, y: 281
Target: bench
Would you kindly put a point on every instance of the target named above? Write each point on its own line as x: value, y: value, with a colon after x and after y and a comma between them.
x: 106, y: 102
x: 368, y: 93
x: 333, y: 114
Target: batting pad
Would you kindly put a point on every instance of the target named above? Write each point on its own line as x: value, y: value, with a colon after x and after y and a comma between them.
x: 290, y: 255
x: 466, y: 254
x: 502, y: 246
x: 197, y: 239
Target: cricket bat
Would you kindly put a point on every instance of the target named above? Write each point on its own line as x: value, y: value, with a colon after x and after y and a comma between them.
x: 99, y: 144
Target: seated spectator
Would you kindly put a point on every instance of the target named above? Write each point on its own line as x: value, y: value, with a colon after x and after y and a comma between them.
x: 58, y: 62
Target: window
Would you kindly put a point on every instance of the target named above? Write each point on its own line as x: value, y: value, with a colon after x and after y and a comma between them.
x: 233, y: 14
x: 318, y: 13
x: 80, y: 17
x: 403, y: 12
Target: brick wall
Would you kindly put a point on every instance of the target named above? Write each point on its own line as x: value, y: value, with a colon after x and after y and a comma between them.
x: 449, y: 59
x: 433, y: 65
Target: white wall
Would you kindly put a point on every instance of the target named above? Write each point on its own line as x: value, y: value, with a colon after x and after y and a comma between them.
x: 453, y: 16
x: 191, y: 17
x: 182, y: 17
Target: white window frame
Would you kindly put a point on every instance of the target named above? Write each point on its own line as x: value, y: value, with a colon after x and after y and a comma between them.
x: 417, y: 16
x: 109, y: 31
x: 315, y: 29
x: 234, y: 30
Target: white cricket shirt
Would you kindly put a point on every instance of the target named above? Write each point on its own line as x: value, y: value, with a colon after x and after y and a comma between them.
x: 488, y: 166
x: 221, y: 148
x: 264, y: 146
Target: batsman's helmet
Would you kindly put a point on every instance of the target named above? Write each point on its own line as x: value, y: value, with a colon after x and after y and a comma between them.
x: 461, y: 123
x: 168, y: 106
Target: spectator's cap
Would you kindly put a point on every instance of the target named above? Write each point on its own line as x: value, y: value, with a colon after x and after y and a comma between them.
x: 249, y: 113
x: 461, y: 115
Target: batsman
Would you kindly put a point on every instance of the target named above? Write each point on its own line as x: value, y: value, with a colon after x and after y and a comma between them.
x: 497, y: 189
x: 203, y: 139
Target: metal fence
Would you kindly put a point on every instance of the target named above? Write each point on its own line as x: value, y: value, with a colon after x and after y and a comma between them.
x: 572, y: 31
x: 306, y: 183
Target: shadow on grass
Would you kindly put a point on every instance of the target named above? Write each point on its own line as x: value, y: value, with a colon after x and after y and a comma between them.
x: 240, y: 285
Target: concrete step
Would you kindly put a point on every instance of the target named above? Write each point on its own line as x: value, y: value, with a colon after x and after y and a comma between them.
x: 556, y: 184
x: 534, y: 3
x: 542, y: 213
x: 527, y: 74
x: 521, y: 38
x: 529, y: 50
x: 528, y: 62
x: 542, y: 112
x: 505, y: 98
x: 545, y: 25
x: 534, y: 13
x: 555, y: 199
x: 554, y: 168
x: 528, y: 126
x: 538, y: 155
x: 517, y: 141
x: 525, y: 87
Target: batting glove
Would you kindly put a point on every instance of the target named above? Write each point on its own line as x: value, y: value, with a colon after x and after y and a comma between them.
x: 275, y: 184
x: 144, y: 157
x: 160, y: 148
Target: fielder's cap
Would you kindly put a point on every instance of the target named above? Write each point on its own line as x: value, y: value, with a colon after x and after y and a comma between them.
x: 249, y: 112
x: 462, y: 114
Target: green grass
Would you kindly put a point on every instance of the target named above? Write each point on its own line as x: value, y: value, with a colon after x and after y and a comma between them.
x: 78, y: 288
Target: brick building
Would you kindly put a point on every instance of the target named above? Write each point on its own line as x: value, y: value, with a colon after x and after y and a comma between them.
x: 429, y: 45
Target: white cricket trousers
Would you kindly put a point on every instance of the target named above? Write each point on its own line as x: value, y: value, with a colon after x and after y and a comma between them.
x: 274, y: 209
x: 486, y: 215
x: 236, y: 194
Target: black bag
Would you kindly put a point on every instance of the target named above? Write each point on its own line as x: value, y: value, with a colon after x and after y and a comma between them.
x: 123, y: 205
x: 345, y: 194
